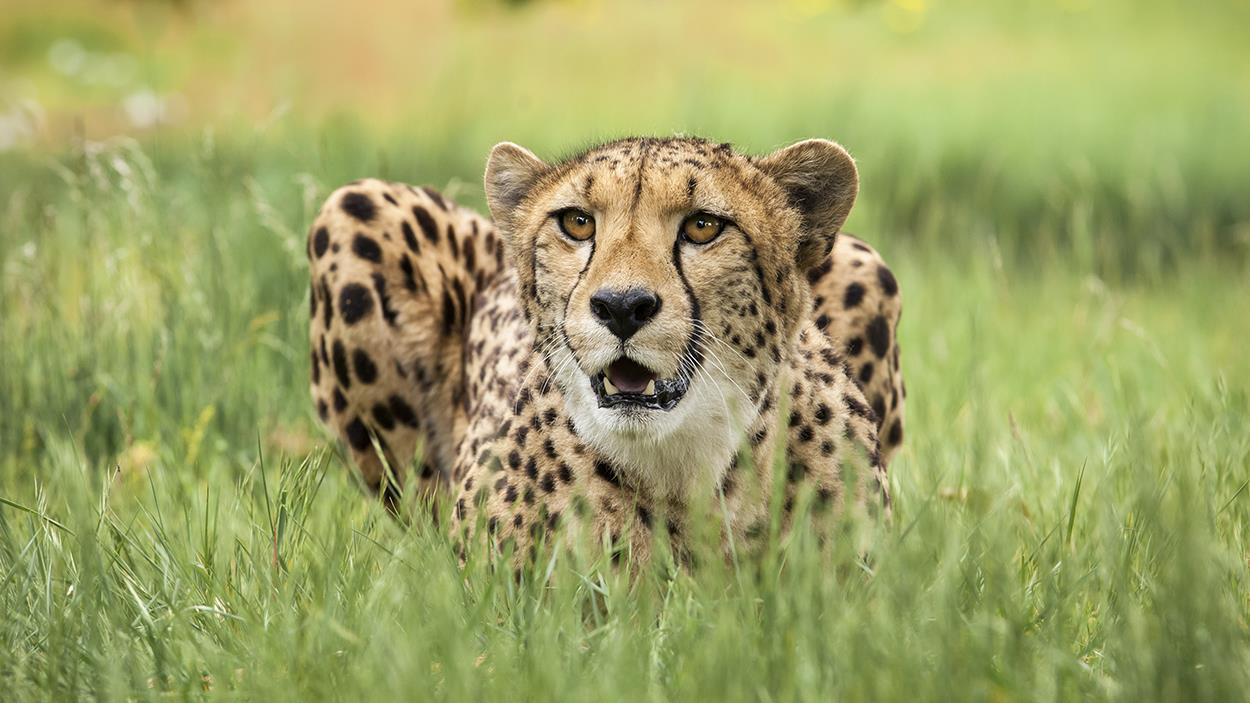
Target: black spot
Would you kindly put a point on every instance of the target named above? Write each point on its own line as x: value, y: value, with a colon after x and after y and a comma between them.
x: 855, y: 406
x: 549, y: 448
x: 410, y: 278
x: 355, y: 303
x: 865, y: 372
x: 855, y: 346
x: 453, y: 243
x: 822, y: 322
x: 531, y: 469
x: 806, y: 433
x: 428, y: 227
x: 449, y: 313
x: 339, y: 354
x: 366, y: 248
x: 885, y: 277
x: 816, y: 273
x: 607, y: 472
x: 379, y: 285
x: 514, y: 460
x: 357, y: 434
x: 322, y: 411
x: 548, y: 484
x: 340, y: 402
x: 878, y: 406
x: 316, y: 368
x: 826, y: 448
x: 822, y: 414
x: 854, y: 294
x: 509, y: 496
x: 402, y: 411
x: 435, y: 196
x: 895, y: 434
x: 383, y: 416
x: 359, y: 206
x: 366, y: 370
x: 644, y: 515
x: 566, y: 473
x: 458, y: 288
x: 410, y: 238
x: 321, y: 241
x: 328, y: 303
x: 879, y: 336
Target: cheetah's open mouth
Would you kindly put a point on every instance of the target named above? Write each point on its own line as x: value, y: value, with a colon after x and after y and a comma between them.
x: 626, y: 382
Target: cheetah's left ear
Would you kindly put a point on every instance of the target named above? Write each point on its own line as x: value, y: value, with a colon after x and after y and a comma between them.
x: 821, y: 182
x: 511, y: 171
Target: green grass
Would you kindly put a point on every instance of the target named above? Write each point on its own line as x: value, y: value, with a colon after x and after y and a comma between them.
x: 1073, y: 498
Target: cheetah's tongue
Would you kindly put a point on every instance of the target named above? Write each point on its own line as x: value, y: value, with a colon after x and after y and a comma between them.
x: 628, y: 376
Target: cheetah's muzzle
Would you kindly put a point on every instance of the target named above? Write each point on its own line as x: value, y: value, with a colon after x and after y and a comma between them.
x: 627, y: 383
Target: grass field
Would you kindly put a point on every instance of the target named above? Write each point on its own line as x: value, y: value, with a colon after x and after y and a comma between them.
x: 1061, y: 190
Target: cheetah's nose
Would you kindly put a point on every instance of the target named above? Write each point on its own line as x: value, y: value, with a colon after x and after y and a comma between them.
x: 624, y: 312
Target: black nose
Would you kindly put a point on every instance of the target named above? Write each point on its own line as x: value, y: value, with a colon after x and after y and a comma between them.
x: 624, y: 312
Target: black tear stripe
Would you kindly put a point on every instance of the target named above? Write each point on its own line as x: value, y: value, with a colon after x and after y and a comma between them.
x: 759, y: 270
x: 694, y: 348
x: 569, y: 299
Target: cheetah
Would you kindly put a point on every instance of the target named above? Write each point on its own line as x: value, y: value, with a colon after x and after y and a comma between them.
x: 652, y: 325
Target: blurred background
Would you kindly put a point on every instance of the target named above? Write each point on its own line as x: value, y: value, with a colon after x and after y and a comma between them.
x: 1053, y: 119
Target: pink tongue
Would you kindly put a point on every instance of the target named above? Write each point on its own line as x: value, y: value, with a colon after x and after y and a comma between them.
x: 629, y: 376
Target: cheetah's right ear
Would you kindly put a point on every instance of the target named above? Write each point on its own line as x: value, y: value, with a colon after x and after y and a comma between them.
x: 511, y: 171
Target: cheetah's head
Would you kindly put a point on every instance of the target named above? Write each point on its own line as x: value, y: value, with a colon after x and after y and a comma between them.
x: 665, y: 277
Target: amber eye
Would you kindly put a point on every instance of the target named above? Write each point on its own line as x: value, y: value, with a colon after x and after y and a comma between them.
x: 702, y: 228
x: 578, y: 224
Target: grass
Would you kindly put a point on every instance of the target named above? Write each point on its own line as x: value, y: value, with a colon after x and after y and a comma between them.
x: 1072, y: 500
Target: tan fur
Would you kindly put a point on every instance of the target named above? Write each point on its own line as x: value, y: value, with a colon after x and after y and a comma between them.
x: 495, y: 353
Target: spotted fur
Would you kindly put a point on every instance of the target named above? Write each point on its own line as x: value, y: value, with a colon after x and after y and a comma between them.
x: 425, y: 333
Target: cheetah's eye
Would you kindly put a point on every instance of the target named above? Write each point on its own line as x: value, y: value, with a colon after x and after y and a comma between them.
x: 578, y: 224
x: 702, y: 227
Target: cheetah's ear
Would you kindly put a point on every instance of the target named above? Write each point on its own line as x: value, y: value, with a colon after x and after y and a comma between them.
x: 821, y: 182
x: 511, y: 170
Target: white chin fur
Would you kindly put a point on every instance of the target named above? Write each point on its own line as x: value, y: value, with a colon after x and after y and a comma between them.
x: 673, y: 452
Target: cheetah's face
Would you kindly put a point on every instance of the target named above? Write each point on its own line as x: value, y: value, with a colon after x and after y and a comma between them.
x: 664, y: 277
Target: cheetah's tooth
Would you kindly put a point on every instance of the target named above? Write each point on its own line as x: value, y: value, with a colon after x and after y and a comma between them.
x: 650, y: 388
x: 608, y: 388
